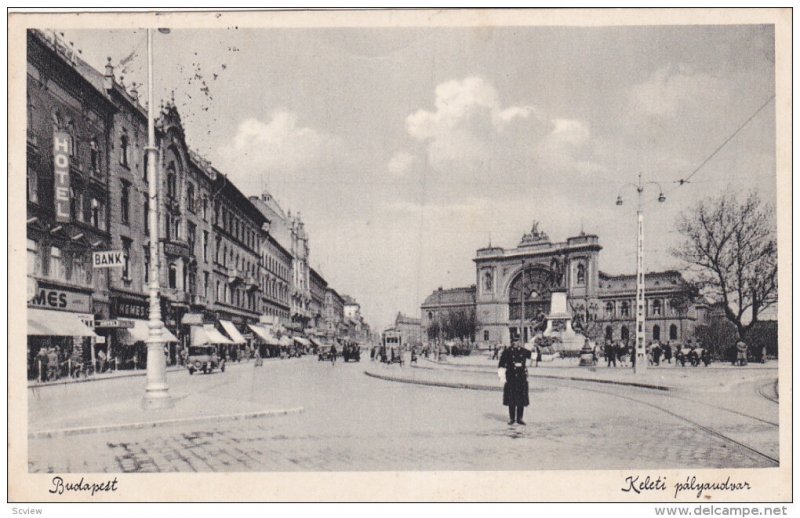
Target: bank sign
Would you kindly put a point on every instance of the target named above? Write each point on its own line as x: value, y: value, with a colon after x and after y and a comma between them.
x: 61, y: 143
x: 110, y: 259
x: 61, y: 300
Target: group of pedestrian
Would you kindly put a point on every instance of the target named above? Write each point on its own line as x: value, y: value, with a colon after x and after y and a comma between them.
x: 616, y: 352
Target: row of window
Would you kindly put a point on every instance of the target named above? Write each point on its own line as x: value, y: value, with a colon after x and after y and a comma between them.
x: 656, y: 308
x: 59, y: 264
x: 237, y: 227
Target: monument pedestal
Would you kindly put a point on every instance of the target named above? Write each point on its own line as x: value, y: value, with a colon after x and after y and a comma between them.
x: 559, y: 323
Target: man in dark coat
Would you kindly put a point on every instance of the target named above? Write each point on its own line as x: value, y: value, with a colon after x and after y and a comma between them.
x: 515, y: 390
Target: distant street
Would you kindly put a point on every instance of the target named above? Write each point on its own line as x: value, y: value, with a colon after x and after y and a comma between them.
x: 355, y: 422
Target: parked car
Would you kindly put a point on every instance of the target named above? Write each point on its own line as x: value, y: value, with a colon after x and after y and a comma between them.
x: 204, y: 358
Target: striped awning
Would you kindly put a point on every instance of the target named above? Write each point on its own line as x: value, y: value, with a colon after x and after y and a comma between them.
x: 207, y: 334
x: 140, y: 331
x: 265, y: 335
x: 233, y: 333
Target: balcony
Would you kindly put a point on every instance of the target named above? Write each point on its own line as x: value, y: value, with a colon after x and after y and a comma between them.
x: 235, y: 276
x: 177, y: 296
x: 251, y: 283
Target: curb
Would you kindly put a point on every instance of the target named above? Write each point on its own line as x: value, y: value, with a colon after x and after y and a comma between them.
x: 544, y: 376
x: 65, y: 432
x: 131, y: 374
x: 444, y: 384
x: 101, y: 378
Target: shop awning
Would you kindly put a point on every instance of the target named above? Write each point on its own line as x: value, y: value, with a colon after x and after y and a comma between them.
x: 316, y: 342
x: 285, y: 341
x: 236, y: 336
x: 264, y: 334
x: 139, y: 333
x: 42, y: 322
x: 213, y: 336
x: 302, y: 341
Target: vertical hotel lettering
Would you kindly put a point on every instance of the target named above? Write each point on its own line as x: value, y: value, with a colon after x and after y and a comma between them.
x: 61, y: 142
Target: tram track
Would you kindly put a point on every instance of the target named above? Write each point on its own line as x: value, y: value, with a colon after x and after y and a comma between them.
x: 585, y: 385
x: 706, y: 429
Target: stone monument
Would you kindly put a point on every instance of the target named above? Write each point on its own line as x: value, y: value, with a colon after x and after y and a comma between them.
x: 559, y: 323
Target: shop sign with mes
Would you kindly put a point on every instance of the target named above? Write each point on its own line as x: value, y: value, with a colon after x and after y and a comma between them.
x: 110, y: 259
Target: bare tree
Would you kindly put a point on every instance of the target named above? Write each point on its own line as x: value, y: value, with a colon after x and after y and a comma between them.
x: 730, y: 245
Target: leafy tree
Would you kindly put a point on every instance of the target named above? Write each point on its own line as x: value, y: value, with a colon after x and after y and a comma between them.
x: 730, y: 246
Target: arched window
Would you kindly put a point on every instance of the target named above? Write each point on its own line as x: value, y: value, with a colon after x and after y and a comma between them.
x: 172, y: 182
x: 656, y: 332
x: 580, y: 275
x: 609, y: 333
x: 656, y: 307
x: 624, y: 333
x: 673, y: 332
x: 609, y: 309
x: 625, y: 309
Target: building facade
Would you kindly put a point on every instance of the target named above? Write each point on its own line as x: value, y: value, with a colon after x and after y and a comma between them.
x: 316, y: 307
x: 238, y: 228
x: 513, y: 291
x: 69, y: 121
x: 439, y: 305
x: 409, y: 328
x: 301, y: 274
x: 334, y: 314
x: 276, y: 287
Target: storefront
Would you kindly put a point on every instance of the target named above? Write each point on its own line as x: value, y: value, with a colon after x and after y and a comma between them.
x: 60, y: 332
x: 126, y: 332
x: 268, y: 344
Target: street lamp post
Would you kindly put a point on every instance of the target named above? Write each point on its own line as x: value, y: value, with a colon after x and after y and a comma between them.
x: 640, y: 352
x: 156, y: 391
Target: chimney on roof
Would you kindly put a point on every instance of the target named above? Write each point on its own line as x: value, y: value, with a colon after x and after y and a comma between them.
x: 108, y: 78
x: 134, y: 92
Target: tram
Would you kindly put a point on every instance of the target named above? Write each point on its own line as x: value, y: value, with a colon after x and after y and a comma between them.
x: 391, y: 350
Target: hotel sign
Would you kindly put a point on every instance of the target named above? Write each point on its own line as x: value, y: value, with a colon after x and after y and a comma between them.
x: 61, y: 141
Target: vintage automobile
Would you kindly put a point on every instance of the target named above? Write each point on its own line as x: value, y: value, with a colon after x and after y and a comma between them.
x: 351, y: 352
x: 324, y: 352
x: 204, y: 358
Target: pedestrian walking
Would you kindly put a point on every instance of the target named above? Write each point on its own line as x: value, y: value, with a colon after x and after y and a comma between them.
x: 668, y: 353
x: 657, y: 353
x: 741, y: 353
x: 333, y: 354
x: 515, y: 390
x: 705, y: 357
x: 611, y: 356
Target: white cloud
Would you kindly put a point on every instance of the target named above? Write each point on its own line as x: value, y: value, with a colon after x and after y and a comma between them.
x: 279, y: 147
x: 670, y: 89
x: 472, y: 138
x: 401, y: 163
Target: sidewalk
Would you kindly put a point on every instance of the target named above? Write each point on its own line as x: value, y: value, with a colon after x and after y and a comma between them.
x: 711, y: 383
x: 110, y: 375
x: 70, y: 408
x: 715, y: 378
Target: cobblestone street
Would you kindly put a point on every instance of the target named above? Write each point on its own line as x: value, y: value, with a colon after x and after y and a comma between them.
x: 353, y: 422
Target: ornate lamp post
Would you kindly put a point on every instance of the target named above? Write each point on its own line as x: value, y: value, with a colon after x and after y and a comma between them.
x: 156, y: 391
x: 640, y: 352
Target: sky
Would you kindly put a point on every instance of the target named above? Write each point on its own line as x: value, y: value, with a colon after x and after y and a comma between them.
x: 406, y: 149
